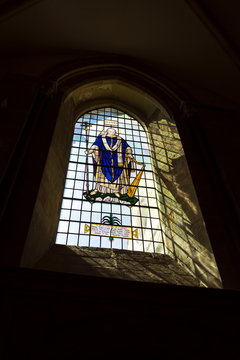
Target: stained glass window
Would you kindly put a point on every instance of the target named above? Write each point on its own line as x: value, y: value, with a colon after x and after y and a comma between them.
x: 110, y: 197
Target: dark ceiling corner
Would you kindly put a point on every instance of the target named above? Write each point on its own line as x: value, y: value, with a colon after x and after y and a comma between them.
x: 9, y: 8
x: 206, y: 15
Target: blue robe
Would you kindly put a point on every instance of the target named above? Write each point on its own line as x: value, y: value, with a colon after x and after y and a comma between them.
x: 109, y: 159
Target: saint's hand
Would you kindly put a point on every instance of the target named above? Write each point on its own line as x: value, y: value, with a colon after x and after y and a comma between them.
x: 88, y: 152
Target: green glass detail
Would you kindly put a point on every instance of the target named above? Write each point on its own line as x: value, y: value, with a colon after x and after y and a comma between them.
x: 111, y: 220
x: 131, y: 200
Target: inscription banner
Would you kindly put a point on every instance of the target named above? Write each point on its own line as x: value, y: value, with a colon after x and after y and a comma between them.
x: 110, y: 230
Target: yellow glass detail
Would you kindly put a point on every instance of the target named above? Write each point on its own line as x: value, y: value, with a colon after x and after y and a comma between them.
x: 87, y: 228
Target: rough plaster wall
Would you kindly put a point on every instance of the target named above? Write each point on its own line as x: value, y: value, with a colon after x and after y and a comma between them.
x: 120, y: 264
x: 185, y: 234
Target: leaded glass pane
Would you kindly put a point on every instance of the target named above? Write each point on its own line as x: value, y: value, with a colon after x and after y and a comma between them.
x: 110, y: 197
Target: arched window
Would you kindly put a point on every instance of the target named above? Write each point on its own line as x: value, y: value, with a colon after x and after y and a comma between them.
x: 152, y: 210
x: 110, y: 197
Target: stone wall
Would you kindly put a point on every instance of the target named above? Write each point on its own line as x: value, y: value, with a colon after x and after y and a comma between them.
x: 45, y: 216
x: 185, y: 235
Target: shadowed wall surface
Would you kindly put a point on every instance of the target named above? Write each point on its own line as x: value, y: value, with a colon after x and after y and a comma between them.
x: 65, y: 315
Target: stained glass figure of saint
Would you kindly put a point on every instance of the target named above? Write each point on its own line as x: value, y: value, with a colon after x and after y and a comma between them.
x: 113, y: 163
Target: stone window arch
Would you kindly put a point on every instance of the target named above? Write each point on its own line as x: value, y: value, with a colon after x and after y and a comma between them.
x: 184, y: 234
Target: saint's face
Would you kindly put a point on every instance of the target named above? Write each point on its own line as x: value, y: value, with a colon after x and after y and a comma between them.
x: 111, y: 132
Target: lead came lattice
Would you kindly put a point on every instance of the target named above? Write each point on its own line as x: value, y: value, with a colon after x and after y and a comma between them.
x: 133, y: 200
